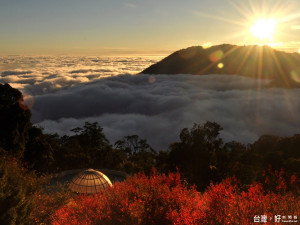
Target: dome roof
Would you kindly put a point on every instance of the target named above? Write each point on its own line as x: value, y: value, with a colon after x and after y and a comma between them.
x: 89, y: 181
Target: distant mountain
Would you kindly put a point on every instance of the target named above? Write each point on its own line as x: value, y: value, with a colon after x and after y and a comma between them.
x: 261, y: 62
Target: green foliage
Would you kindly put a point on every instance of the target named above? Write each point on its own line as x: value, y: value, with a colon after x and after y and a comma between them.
x: 17, y: 189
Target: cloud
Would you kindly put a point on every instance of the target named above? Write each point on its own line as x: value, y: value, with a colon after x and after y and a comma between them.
x: 89, y: 70
x: 40, y: 75
x: 157, y: 108
x: 68, y: 91
x: 15, y: 72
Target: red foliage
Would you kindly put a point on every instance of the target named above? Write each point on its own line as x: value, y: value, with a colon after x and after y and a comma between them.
x: 279, y: 181
x: 161, y: 199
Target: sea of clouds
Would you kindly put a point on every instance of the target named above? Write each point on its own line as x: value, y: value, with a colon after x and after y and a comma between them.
x: 45, y: 74
x: 72, y: 90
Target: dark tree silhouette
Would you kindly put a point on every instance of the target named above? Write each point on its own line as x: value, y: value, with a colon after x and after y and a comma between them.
x: 194, y: 155
x: 14, y: 120
x: 140, y: 155
x: 133, y: 145
x: 87, y: 148
x: 39, y: 153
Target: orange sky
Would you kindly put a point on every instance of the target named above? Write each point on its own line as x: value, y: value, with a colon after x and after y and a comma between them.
x: 103, y: 27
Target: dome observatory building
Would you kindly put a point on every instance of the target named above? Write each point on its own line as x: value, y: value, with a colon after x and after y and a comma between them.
x: 89, y: 182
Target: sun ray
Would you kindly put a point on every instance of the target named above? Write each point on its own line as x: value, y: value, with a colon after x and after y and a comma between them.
x: 233, y: 21
x: 239, y: 9
x: 287, y: 82
x: 275, y: 6
x: 237, y: 35
x: 244, y: 58
x: 279, y: 67
x: 279, y: 15
x: 258, y: 76
x: 254, y: 10
x: 289, y: 18
x: 259, y: 68
x: 212, y: 64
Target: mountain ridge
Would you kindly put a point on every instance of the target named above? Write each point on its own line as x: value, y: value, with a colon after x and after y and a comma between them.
x: 261, y: 62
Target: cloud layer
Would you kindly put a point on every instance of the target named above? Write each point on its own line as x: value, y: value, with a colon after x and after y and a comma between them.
x: 158, y: 107
x: 40, y: 75
x: 67, y: 91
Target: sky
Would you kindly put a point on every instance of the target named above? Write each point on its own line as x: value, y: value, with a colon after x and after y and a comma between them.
x: 112, y: 27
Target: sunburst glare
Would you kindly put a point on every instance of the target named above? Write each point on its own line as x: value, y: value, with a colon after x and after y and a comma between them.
x: 261, y: 23
x: 263, y: 28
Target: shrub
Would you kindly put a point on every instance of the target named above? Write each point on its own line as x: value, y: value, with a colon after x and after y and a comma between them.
x: 228, y: 205
x: 158, y: 199
x: 17, y: 188
x: 161, y: 199
x: 48, y: 201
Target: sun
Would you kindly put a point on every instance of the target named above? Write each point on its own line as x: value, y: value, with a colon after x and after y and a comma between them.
x: 263, y: 28
x: 260, y: 22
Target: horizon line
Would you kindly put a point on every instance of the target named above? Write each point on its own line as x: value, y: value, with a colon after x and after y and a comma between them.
x: 132, y: 52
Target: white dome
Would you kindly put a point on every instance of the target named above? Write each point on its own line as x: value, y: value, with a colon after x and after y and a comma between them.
x: 89, y: 181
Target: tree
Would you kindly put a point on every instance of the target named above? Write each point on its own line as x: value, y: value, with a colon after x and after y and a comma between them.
x: 39, y: 153
x: 14, y: 120
x: 141, y: 156
x: 133, y: 145
x: 87, y: 148
x: 279, y: 152
x: 194, y: 154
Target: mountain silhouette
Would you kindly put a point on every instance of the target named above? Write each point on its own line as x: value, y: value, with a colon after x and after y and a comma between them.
x: 261, y: 62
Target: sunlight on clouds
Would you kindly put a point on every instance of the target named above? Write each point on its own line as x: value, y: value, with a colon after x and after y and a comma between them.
x: 17, y: 86
x: 27, y: 101
x: 39, y: 75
